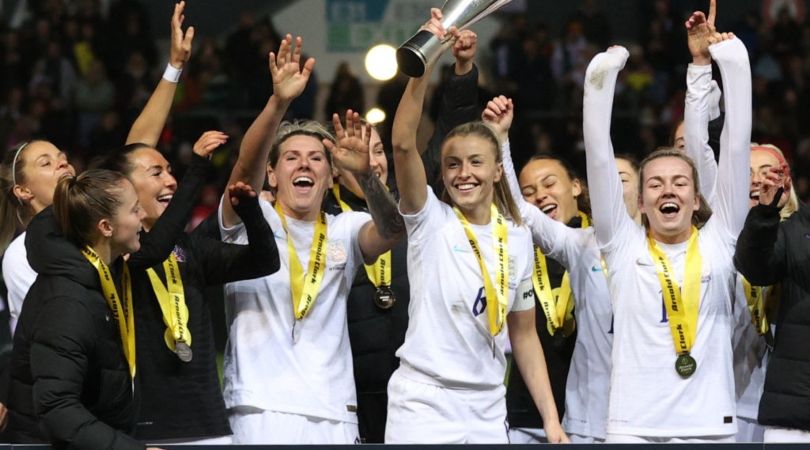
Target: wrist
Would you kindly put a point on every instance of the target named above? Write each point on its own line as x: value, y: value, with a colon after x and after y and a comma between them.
x: 701, y: 60
x: 463, y: 68
x: 172, y: 73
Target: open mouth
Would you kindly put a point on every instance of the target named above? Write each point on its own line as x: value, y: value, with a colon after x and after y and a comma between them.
x: 669, y: 209
x: 466, y: 187
x: 754, y: 195
x: 549, y: 209
x: 165, y: 199
x: 303, y: 182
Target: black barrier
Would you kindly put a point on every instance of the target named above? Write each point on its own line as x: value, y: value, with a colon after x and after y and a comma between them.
x: 734, y: 446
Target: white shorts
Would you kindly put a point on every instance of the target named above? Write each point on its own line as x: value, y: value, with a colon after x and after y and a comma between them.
x: 257, y: 426
x: 420, y: 413
x: 749, y: 430
x: 629, y: 439
x: 527, y: 436
x: 785, y: 435
x: 222, y: 440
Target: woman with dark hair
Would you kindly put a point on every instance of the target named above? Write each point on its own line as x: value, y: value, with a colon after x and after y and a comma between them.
x: 176, y: 353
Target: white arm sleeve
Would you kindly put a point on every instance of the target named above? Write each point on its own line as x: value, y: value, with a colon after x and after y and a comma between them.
x: 696, y: 117
x: 551, y: 236
x: 604, y: 184
x: 735, y: 141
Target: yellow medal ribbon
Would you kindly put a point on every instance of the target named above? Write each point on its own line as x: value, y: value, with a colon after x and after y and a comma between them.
x: 378, y: 273
x: 172, y: 301
x: 557, y: 304
x: 682, y: 305
x: 497, y: 299
x: 121, y: 311
x: 305, y: 286
x: 756, y: 306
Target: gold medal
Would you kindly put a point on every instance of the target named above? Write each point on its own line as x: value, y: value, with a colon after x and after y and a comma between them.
x: 685, y: 365
x: 384, y: 297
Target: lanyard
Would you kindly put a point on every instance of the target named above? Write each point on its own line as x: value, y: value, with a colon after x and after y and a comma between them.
x: 172, y: 301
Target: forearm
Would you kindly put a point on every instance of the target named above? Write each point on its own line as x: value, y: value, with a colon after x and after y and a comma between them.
x: 735, y: 142
x: 757, y: 256
x: 607, y: 200
x: 531, y: 362
x: 408, y: 166
x: 148, y: 126
x: 160, y: 240
x: 382, y: 207
x: 696, y: 127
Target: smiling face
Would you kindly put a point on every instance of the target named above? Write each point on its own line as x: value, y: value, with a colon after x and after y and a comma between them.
x: 42, y: 166
x: 302, y: 175
x: 153, y: 181
x: 669, y: 198
x: 469, y: 172
x: 126, y: 222
x: 379, y: 166
x: 761, y: 163
x: 546, y: 184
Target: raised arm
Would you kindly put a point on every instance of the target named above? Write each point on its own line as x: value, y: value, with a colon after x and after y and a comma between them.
x: 698, y: 107
x: 604, y: 184
x: 547, y: 233
x: 223, y: 262
x: 351, y: 152
x: 735, y: 142
x: 150, y: 123
x: 290, y: 77
x: 459, y: 102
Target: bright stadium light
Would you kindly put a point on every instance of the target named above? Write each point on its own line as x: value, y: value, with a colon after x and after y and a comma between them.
x: 375, y: 116
x: 381, y: 62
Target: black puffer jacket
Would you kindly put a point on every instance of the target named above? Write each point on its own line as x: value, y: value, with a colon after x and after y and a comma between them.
x: 770, y: 252
x: 70, y: 382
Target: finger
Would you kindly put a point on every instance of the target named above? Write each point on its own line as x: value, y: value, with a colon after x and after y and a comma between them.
x: 188, y: 38
x: 489, y: 115
x: 299, y: 42
x: 329, y: 145
x: 338, y: 127
x: 436, y: 13
x: 367, y: 134
x: 273, y: 66
x: 712, y: 12
x: 308, y: 66
x: 284, y: 49
x: 176, y: 16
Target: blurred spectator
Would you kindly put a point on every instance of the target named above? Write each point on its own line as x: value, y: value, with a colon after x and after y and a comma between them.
x: 345, y: 93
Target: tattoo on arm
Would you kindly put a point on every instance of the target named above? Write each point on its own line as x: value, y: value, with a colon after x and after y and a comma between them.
x: 382, y: 207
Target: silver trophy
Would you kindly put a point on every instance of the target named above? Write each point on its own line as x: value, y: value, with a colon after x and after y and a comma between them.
x: 415, y: 54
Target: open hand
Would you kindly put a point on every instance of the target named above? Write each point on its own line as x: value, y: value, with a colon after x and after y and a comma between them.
x: 289, y: 76
x: 350, y: 152
x: 239, y: 192
x: 180, y: 50
x: 208, y: 142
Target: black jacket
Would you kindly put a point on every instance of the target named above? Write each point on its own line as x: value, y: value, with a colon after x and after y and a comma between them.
x: 769, y: 252
x: 182, y: 400
x: 70, y: 383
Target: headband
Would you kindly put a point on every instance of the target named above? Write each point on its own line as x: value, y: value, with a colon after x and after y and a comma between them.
x: 14, y: 163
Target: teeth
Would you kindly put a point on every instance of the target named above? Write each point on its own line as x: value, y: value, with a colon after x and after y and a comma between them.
x: 303, y: 179
x: 548, y: 208
x: 754, y: 194
x: 466, y: 186
x: 165, y: 198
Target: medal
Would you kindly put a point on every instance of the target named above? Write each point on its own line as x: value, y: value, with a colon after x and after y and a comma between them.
x: 384, y: 297
x: 183, y: 351
x: 685, y: 365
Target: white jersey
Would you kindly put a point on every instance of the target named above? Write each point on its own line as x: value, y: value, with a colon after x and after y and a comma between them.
x: 448, y: 342
x: 18, y: 275
x: 586, y: 389
x: 751, y: 354
x: 274, y: 362
x: 647, y: 397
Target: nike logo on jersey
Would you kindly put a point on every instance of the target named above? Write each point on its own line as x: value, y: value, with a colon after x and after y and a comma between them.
x: 596, y: 268
x: 459, y: 249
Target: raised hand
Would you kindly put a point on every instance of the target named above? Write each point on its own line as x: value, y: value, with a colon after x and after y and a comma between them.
x: 699, y: 30
x: 464, y: 49
x: 350, y: 152
x: 180, y: 50
x: 498, y: 115
x: 240, y: 193
x: 208, y: 142
x: 289, y: 76
x: 774, y: 185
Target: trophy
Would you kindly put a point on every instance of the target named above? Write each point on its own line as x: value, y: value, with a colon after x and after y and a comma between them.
x: 413, y: 56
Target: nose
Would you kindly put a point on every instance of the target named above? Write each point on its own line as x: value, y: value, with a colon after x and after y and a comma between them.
x: 169, y: 180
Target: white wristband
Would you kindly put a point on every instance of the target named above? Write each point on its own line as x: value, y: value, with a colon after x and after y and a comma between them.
x: 172, y: 74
